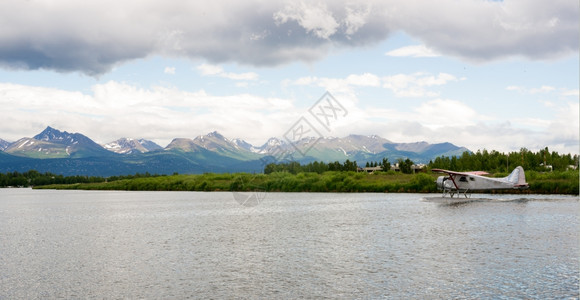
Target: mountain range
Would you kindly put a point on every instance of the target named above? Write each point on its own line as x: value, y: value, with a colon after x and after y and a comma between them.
x: 66, y: 153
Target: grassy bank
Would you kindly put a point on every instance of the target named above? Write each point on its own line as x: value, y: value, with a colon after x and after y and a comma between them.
x: 332, y: 181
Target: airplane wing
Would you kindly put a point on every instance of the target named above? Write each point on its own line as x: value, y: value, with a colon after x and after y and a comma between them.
x: 460, y: 173
x: 453, y: 174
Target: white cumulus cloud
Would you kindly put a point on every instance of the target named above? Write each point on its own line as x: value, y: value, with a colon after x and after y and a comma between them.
x: 212, y: 70
x: 113, y: 110
x: 413, y: 51
x: 93, y: 37
x: 402, y: 85
x: 416, y: 84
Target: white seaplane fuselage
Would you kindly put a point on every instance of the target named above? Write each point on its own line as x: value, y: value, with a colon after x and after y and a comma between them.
x: 466, y: 182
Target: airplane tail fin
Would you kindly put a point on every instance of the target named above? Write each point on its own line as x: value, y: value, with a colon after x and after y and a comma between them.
x: 517, y: 177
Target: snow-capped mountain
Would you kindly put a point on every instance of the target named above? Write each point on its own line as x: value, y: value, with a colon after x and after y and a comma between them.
x: 183, y: 144
x: 268, y: 148
x: 353, y: 147
x: 242, y: 144
x: 4, y: 144
x: 272, y: 146
x: 53, y: 143
x: 61, y: 137
x: 215, y: 142
x: 74, y: 153
x: 348, y: 146
x: 212, y: 141
x: 128, y: 146
x: 149, y: 145
x: 30, y: 147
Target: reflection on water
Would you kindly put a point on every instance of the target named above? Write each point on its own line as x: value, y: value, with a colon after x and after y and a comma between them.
x: 80, y: 244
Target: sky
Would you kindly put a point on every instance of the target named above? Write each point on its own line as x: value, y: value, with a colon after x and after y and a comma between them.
x: 495, y: 75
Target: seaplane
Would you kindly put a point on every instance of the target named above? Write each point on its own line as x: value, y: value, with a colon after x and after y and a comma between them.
x: 463, y: 183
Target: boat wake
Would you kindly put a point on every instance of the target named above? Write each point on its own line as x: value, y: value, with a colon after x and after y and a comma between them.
x: 456, y: 200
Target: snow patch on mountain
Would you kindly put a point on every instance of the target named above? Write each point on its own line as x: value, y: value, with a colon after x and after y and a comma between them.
x: 129, y: 146
x: 4, y: 144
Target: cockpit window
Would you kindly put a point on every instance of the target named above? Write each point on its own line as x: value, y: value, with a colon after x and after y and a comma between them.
x: 463, y: 179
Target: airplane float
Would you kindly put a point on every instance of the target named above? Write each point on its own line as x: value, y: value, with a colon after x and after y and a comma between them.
x: 456, y: 183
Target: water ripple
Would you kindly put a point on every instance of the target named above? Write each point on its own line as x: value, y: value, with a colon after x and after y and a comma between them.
x: 75, y: 244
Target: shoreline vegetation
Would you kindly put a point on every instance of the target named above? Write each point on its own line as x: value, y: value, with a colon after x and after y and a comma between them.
x: 557, y: 182
x: 546, y: 172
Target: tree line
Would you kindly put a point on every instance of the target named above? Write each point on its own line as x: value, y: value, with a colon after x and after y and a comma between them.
x: 493, y: 161
x: 295, y: 167
x: 35, y: 178
x: 490, y: 161
x: 320, y: 167
x: 385, y: 164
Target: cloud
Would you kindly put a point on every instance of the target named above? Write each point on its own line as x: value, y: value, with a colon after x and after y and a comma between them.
x: 570, y: 93
x: 114, y: 109
x: 212, y: 70
x: 544, y: 89
x: 515, y: 88
x: 366, y: 79
x: 444, y: 112
x: 564, y: 129
x: 343, y: 87
x: 314, y: 17
x: 169, y: 70
x: 444, y: 120
x: 402, y: 85
x: 480, y: 31
x: 413, y: 51
x: 416, y: 84
x: 208, y: 70
x: 448, y: 120
x: 541, y: 90
x: 93, y: 37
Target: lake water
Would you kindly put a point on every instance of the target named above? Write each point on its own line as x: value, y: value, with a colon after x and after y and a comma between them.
x: 160, y: 245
